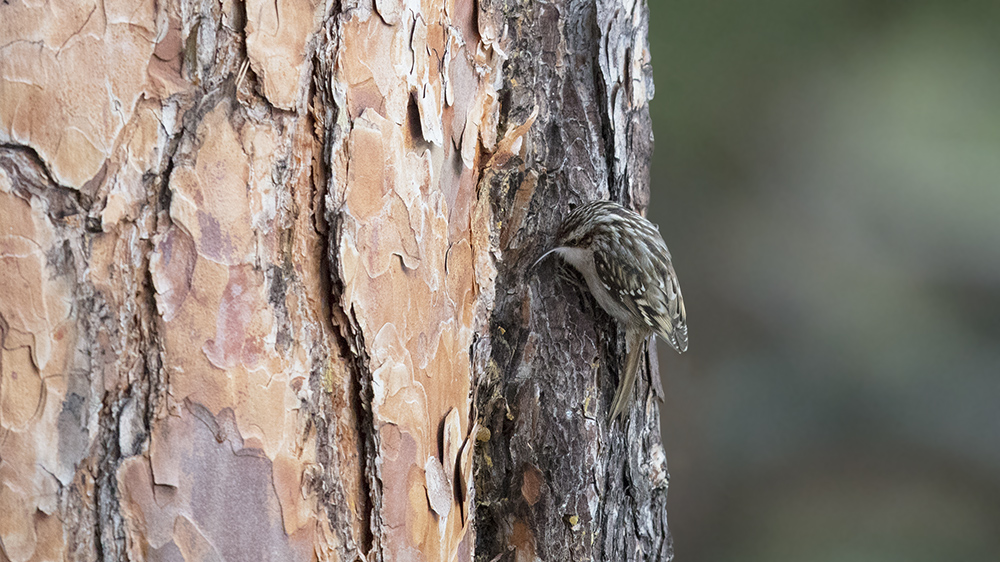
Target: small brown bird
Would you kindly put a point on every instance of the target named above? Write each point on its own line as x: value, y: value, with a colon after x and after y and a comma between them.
x: 627, y: 267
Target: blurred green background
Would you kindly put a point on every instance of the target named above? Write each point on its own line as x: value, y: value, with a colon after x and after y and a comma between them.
x: 827, y: 176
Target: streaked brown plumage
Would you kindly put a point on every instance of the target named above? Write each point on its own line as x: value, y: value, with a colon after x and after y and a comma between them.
x: 627, y: 267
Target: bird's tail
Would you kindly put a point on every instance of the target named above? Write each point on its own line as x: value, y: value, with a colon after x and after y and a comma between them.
x: 633, y: 341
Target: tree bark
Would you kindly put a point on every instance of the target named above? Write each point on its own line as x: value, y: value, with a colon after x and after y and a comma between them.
x: 555, y: 480
x: 263, y: 285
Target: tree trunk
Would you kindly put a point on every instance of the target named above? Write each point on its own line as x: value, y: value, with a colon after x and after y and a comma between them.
x: 263, y: 285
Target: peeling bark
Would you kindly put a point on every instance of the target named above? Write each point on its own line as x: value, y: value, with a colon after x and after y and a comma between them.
x: 250, y: 256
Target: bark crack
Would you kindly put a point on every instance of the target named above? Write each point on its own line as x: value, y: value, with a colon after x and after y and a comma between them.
x: 347, y: 337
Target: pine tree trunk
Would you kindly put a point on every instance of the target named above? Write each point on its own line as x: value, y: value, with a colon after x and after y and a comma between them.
x: 264, y: 290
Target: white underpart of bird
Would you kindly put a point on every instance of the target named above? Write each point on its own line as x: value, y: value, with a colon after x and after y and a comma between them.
x: 583, y: 261
x: 628, y: 270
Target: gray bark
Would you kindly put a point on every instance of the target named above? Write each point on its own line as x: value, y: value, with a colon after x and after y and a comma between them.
x: 554, y: 475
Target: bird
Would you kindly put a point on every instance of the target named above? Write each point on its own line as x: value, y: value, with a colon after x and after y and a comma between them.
x: 628, y: 270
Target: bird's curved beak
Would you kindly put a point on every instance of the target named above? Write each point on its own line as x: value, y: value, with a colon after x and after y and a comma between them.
x: 545, y: 255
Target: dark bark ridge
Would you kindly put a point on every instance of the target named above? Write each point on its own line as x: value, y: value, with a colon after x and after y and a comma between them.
x: 553, y: 478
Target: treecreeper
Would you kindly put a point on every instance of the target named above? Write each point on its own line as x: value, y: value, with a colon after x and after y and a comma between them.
x: 627, y: 267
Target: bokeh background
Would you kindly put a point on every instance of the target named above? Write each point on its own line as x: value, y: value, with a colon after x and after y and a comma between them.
x: 827, y: 176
